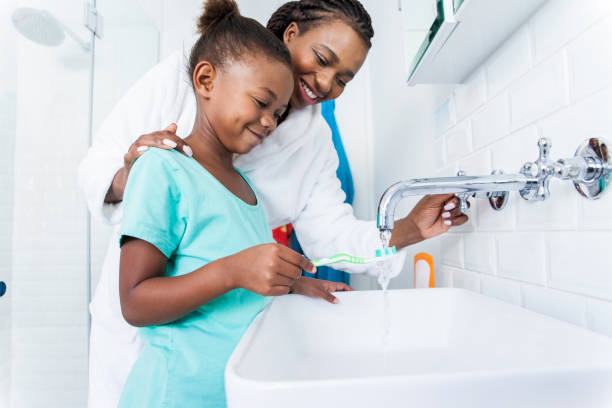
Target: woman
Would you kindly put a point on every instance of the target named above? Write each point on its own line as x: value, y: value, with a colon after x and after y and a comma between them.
x: 294, y: 171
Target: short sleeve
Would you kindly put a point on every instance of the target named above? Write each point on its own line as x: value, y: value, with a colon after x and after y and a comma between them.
x: 152, y: 206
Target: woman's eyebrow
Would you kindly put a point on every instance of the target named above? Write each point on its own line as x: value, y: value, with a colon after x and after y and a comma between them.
x: 334, y: 59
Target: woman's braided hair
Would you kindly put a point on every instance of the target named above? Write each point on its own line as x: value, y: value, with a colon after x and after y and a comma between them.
x: 309, y: 13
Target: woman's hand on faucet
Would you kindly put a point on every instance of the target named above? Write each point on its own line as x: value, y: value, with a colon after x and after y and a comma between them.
x: 431, y: 216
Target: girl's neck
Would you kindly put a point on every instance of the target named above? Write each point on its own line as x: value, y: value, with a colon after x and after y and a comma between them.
x: 206, y: 146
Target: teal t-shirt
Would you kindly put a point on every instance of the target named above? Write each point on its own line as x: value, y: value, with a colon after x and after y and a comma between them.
x: 172, y: 202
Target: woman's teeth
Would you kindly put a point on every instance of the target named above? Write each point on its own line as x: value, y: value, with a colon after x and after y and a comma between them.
x: 307, y: 90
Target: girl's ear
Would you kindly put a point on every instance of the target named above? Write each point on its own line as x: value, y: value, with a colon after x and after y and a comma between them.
x: 291, y: 32
x: 204, y: 76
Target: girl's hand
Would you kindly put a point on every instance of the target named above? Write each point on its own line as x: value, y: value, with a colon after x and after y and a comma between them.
x: 268, y: 269
x: 317, y: 288
x: 164, y: 139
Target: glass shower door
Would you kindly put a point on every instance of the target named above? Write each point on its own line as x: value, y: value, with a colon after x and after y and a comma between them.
x: 48, y: 87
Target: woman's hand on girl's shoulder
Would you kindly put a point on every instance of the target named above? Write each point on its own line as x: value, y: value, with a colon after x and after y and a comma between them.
x: 318, y: 288
x: 268, y: 269
x: 164, y: 139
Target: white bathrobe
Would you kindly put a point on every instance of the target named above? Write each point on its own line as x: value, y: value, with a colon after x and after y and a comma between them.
x: 293, y: 171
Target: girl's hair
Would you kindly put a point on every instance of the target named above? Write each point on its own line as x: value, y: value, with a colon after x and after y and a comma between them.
x: 309, y: 13
x: 225, y: 35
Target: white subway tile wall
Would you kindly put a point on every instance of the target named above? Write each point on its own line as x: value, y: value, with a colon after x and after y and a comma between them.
x: 510, y: 62
x: 471, y: 94
x: 445, y: 116
x: 543, y: 90
x: 452, y: 245
x: 479, y: 250
x: 459, y: 141
x: 466, y: 280
x: 502, y: 289
x: 552, y: 78
x: 492, y: 122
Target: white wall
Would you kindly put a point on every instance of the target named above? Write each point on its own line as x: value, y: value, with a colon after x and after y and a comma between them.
x: 552, y: 78
x: 8, y: 92
x: 177, y: 21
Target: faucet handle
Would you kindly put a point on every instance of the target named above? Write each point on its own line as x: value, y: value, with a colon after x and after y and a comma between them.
x: 545, y: 169
x: 540, y: 172
x: 544, y: 145
x: 463, y: 197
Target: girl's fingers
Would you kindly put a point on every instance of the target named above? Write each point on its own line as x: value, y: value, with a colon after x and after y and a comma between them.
x: 329, y: 297
x: 278, y: 290
x: 282, y: 281
x: 290, y: 256
x: 289, y: 271
x: 342, y: 287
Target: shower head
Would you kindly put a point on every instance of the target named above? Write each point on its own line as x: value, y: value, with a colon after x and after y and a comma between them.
x: 39, y: 26
x: 42, y: 27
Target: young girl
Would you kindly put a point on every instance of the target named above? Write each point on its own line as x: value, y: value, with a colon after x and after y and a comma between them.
x: 196, y: 253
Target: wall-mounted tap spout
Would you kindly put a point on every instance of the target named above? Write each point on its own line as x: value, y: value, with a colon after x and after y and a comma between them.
x: 460, y: 185
x: 590, y: 170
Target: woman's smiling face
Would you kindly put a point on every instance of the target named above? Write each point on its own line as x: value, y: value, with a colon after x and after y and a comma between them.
x: 325, y: 58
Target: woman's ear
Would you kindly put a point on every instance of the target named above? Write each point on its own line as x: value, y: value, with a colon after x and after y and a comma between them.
x: 291, y: 32
x: 204, y: 76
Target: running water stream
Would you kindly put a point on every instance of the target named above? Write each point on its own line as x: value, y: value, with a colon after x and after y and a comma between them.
x: 384, y: 267
x: 384, y: 276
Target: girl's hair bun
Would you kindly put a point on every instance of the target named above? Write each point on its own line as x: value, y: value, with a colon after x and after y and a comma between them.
x: 215, y: 10
x: 225, y: 35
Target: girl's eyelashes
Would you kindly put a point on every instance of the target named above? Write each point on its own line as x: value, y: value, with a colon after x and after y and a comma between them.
x: 260, y: 104
x: 341, y: 82
x: 263, y: 105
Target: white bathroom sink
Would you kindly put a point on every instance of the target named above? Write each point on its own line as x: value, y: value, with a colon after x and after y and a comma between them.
x: 445, y: 348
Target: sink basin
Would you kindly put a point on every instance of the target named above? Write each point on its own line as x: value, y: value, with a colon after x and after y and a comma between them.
x: 442, y: 347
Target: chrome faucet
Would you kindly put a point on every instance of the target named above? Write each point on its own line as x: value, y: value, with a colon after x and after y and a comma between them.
x: 590, y: 170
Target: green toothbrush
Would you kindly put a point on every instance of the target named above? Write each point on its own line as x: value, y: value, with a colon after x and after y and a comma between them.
x: 381, y: 254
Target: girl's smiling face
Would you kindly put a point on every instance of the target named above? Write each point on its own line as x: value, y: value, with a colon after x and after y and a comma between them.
x: 325, y: 58
x: 249, y: 98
